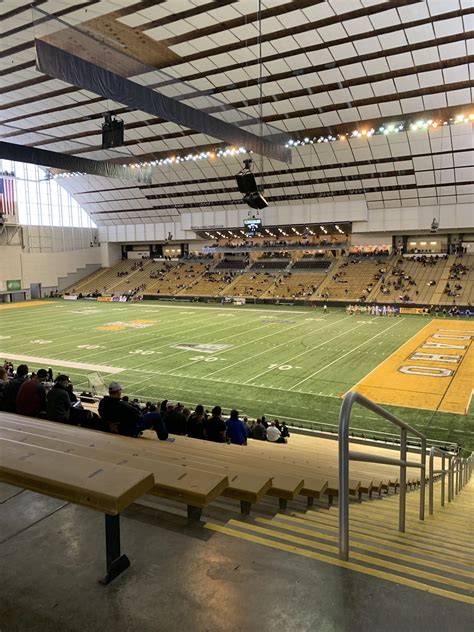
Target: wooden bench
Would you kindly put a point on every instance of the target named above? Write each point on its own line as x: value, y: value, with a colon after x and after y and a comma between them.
x: 194, y: 488
x: 102, y: 486
x: 248, y: 487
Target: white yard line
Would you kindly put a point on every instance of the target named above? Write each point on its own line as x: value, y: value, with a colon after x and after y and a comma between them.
x: 252, y: 357
x: 236, y: 309
x: 288, y: 360
x: 205, y: 379
x: 147, y: 332
x: 345, y: 355
x: 83, y: 336
x: 387, y: 357
x: 179, y: 352
x: 253, y: 341
x: 63, y: 363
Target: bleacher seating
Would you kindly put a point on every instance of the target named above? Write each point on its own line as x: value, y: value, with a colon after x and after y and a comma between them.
x: 270, y: 264
x: 464, y: 278
x: 312, y: 264
x: 296, y: 285
x: 250, y: 285
x: 232, y: 264
x: 209, y: 284
x: 410, y: 277
x: 176, y: 276
x: 352, y: 279
x: 102, y: 280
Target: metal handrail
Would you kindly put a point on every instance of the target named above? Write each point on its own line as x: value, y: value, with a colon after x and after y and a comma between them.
x: 345, y: 456
x: 444, y: 454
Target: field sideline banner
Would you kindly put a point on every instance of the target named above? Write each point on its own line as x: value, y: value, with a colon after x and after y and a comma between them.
x: 412, y: 310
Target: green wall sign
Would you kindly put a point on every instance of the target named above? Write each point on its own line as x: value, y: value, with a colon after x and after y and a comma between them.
x: 14, y: 286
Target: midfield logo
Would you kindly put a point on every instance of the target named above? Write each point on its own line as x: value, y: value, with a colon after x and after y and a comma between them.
x: 120, y: 326
x: 202, y: 348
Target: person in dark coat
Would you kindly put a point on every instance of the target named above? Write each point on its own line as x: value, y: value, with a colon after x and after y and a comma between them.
x: 58, y: 404
x: 174, y: 420
x: 258, y: 431
x: 13, y: 387
x: 120, y: 416
x: 195, y: 424
x: 154, y: 419
x: 215, y: 426
x: 31, y: 398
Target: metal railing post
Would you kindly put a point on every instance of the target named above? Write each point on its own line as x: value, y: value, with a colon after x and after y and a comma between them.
x: 345, y: 456
x: 403, y: 480
x: 423, y: 479
x: 344, y: 478
x: 443, y: 478
x: 430, y: 483
x: 453, y: 465
x: 456, y: 484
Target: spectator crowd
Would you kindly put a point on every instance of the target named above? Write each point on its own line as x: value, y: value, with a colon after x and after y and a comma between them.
x: 39, y: 395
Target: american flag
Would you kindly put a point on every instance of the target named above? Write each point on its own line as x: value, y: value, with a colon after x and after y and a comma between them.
x: 7, y: 194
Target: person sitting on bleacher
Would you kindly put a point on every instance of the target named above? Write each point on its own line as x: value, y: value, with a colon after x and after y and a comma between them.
x: 13, y: 387
x: 195, y: 424
x: 258, y: 431
x: 152, y: 419
x: 120, y: 416
x: 174, y: 420
x: 3, y: 384
x: 274, y: 435
x: 31, y: 398
x: 235, y: 429
x: 215, y: 426
x: 58, y: 404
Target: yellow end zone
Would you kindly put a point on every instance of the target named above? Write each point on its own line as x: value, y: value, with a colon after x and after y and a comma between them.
x: 434, y: 370
x: 22, y: 304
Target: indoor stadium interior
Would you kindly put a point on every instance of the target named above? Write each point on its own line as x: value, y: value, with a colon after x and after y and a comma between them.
x: 236, y: 316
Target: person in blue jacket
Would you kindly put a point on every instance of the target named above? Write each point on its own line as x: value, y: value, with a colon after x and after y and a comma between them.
x: 235, y: 429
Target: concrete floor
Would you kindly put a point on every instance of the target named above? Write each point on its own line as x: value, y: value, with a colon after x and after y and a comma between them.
x: 185, y: 578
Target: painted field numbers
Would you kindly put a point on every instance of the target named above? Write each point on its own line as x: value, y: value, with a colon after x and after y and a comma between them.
x: 143, y: 352
x: 204, y: 359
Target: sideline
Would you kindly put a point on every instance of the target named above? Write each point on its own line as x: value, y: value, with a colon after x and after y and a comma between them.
x: 62, y: 363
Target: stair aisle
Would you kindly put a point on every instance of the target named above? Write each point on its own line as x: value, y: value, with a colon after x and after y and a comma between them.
x: 435, y: 555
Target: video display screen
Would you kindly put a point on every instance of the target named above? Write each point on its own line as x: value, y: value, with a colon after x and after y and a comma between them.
x: 252, y: 226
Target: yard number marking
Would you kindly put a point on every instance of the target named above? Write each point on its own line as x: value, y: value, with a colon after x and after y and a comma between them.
x: 143, y: 352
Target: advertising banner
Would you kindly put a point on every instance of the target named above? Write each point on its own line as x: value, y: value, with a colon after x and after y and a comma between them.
x: 70, y: 297
x: 411, y: 310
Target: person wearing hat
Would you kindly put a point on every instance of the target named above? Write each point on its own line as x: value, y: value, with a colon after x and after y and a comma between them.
x: 120, y: 416
x: 31, y: 398
x: 58, y: 404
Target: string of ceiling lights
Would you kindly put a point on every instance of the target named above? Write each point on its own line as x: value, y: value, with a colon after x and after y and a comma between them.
x: 362, y: 132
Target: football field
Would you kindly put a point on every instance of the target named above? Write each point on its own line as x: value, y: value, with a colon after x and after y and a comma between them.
x: 287, y: 362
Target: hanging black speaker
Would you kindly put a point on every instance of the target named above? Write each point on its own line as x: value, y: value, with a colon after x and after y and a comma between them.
x: 246, y: 182
x: 255, y: 200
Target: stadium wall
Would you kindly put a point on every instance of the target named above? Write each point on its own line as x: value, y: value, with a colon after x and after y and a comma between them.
x: 400, y: 220
x: 43, y: 267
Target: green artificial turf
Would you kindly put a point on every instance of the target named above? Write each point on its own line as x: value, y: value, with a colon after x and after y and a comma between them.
x: 290, y: 362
